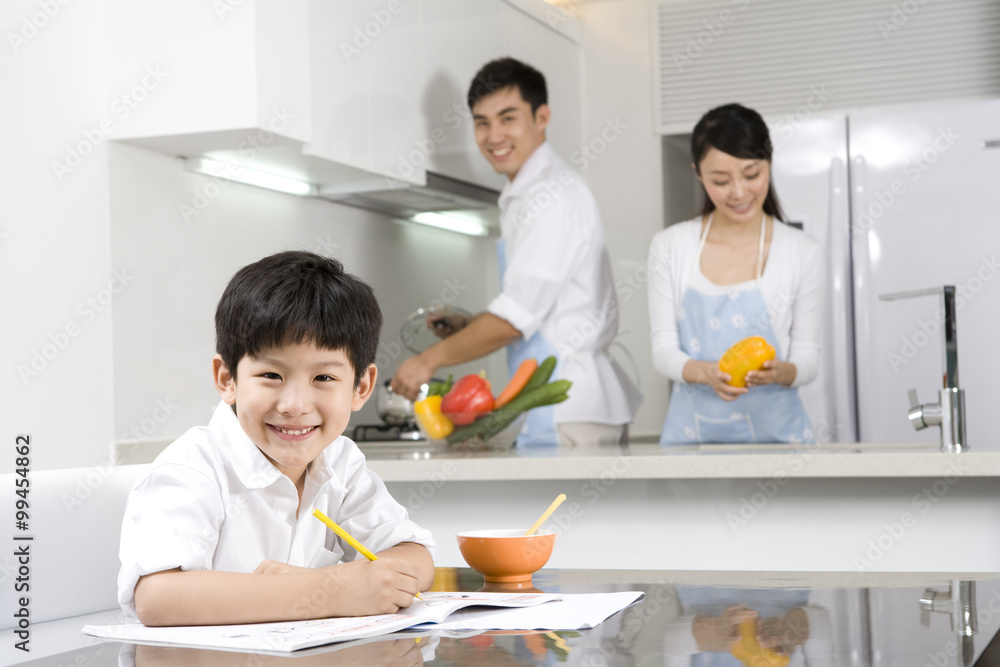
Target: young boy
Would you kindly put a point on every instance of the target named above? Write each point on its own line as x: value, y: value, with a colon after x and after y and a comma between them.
x: 221, y: 530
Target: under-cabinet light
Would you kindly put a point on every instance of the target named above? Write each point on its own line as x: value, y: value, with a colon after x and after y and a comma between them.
x: 452, y: 223
x: 243, y: 174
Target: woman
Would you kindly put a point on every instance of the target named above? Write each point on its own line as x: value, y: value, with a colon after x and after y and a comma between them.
x: 735, y: 271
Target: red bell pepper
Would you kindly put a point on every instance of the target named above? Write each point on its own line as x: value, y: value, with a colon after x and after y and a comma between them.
x: 471, y: 397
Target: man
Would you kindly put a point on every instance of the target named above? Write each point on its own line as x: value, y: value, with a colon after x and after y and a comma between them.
x: 557, y: 294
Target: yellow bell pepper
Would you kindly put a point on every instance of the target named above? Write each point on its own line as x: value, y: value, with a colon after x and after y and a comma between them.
x: 431, y: 420
x: 749, y: 651
x: 744, y: 356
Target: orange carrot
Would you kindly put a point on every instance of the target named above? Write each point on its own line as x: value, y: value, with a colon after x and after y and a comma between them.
x: 517, y: 382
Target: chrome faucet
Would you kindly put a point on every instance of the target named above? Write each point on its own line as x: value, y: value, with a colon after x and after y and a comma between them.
x: 961, y: 610
x: 949, y: 412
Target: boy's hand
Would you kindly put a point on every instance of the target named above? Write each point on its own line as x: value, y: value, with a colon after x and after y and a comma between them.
x: 382, y: 586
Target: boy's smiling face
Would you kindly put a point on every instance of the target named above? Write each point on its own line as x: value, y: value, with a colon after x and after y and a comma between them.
x: 293, y: 401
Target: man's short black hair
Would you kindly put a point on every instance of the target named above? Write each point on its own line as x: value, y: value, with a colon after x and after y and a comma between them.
x: 504, y: 73
x: 292, y: 297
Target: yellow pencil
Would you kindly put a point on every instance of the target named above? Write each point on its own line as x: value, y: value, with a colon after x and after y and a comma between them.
x: 347, y: 537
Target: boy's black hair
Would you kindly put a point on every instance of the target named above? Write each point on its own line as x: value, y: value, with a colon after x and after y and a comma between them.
x: 738, y: 131
x: 292, y: 297
x: 504, y: 73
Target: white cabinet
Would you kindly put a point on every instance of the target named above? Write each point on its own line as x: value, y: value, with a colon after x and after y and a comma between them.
x: 349, y: 95
x: 459, y: 38
x: 221, y: 70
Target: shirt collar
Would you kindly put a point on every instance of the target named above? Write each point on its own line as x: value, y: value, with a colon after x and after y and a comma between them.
x: 528, y: 174
x: 250, y: 464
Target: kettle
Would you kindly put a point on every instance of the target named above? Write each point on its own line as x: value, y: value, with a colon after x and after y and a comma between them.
x: 394, y: 409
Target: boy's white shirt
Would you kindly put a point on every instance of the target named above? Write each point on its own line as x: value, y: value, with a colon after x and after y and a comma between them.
x: 212, y: 501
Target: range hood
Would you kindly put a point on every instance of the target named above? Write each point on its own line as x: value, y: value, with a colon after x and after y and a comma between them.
x: 441, y: 201
x: 440, y: 194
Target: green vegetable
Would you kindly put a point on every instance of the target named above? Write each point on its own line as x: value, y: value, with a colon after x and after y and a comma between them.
x: 437, y: 388
x: 486, y: 427
x: 541, y: 375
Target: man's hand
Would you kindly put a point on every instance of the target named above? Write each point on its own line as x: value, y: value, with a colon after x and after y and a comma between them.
x: 410, y: 375
x: 445, y: 322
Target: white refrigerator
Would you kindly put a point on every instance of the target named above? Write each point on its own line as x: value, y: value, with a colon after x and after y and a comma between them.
x: 902, y: 199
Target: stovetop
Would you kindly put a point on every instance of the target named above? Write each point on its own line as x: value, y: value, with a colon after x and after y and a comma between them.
x: 387, y: 432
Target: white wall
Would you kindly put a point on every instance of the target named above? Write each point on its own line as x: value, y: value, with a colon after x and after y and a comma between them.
x: 620, y: 158
x: 55, y: 349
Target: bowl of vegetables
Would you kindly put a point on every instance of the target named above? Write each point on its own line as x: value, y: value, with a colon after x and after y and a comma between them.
x: 464, y: 414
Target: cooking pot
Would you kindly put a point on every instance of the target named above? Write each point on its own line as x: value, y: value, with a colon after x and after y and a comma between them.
x: 417, y: 336
x: 394, y: 409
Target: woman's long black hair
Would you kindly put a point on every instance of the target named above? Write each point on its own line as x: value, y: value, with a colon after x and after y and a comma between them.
x: 738, y: 131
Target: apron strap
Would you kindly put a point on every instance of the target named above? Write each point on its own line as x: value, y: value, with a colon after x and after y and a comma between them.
x: 701, y: 246
x: 760, y: 249
x: 760, y: 245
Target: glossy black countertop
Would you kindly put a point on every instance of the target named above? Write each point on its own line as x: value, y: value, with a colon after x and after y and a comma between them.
x: 685, y: 618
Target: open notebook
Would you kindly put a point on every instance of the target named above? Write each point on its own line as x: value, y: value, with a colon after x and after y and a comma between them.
x: 565, y: 611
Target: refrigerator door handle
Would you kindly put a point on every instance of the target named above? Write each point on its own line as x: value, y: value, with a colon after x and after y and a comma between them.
x: 841, y: 294
x: 860, y: 224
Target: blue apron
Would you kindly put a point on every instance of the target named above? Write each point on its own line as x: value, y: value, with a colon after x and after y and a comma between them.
x: 713, y: 601
x: 540, y: 427
x: 708, y: 324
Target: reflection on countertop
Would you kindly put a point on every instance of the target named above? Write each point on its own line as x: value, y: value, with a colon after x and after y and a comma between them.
x: 684, y: 618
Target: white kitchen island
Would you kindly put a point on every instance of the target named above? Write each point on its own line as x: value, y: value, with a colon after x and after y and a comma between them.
x: 835, y: 507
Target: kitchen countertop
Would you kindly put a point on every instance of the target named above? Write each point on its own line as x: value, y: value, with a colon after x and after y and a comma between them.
x: 407, y: 462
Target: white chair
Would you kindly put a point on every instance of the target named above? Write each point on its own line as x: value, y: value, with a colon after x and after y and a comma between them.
x: 75, y: 520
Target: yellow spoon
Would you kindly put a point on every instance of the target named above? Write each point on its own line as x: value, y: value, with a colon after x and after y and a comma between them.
x: 552, y: 508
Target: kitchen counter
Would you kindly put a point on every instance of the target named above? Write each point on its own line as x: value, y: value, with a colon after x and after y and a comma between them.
x: 860, y: 619
x: 409, y: 462
x: 841, y: 506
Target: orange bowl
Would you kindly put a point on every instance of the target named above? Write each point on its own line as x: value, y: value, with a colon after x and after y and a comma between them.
x: 506, y: 555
